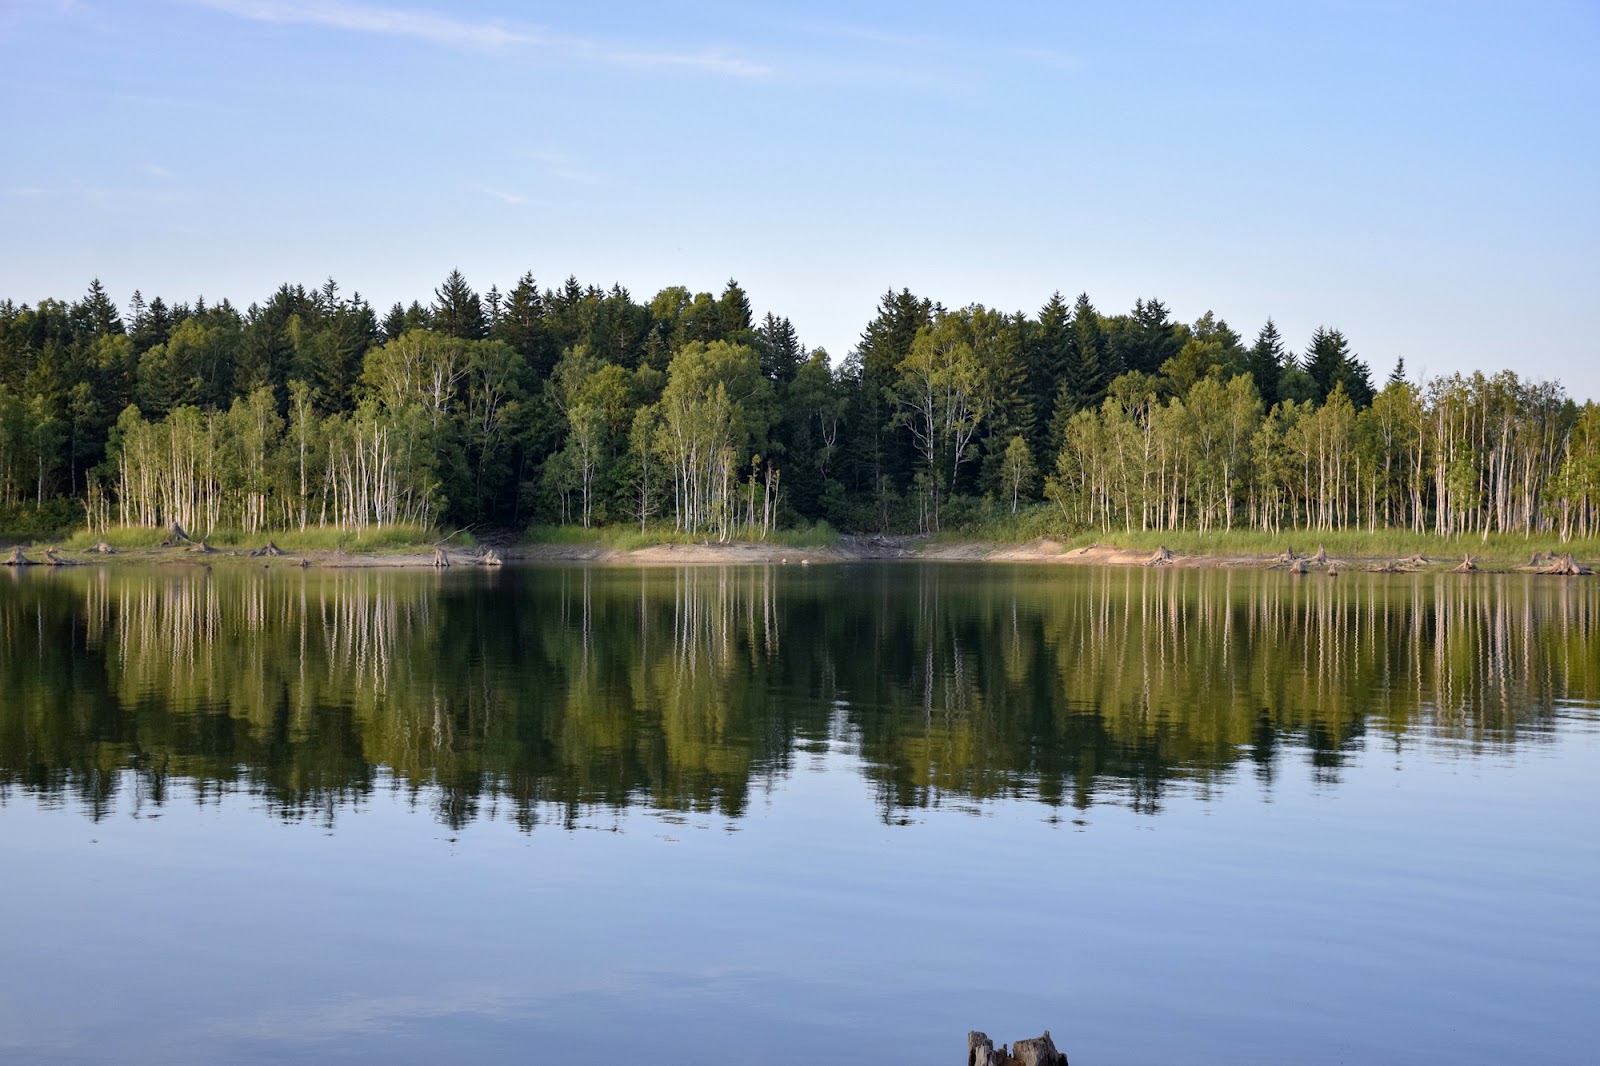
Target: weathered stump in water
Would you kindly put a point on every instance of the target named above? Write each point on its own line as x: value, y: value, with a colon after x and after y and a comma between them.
x: 1468, y: 566
x: 16, y: 558
x: 1321, y: 556
x: 1161, y: 557
x: 52, y: 559
x: 1298, y: 567
x: 1564, y: 566
x: 270, y: 551
x: 200, y: 547
x: 440, y: 559
x: 175, y: 537
x: 492, y: 558
x: 1333, y: 569
x: 103, y: 548
x: 1039, y: 1051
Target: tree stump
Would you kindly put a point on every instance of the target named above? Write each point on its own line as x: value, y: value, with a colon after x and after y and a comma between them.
x: 175, y: 537
x: 1321, y: 556
x: 1333, y: 569
x: 492, y: 558
x: 200, y: 547
x: 269, y: 550
x: 1161, y: 557
x: 1564, y: 566
x: 1467, y: 565
x: 440, y: 559
x: 1298, y: 566
x: 52, y: 559
x: 16, y: 558
x: 1039, y: 1051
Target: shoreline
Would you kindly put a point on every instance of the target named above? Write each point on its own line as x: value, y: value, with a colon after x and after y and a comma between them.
x: 847, y: 549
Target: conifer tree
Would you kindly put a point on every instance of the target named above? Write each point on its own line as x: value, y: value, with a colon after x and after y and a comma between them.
x: 1266, y: 362
x: 457, y: 310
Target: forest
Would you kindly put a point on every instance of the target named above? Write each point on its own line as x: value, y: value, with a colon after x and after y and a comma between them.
x: 579, y: 406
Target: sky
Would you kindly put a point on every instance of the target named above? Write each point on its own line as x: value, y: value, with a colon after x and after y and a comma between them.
x: 1424, y: 177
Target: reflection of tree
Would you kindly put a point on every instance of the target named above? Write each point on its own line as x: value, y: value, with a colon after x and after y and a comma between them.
x: 554, y: 693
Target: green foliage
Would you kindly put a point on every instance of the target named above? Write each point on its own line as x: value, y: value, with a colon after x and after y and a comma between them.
x: 403, y: 537
x: 582, y: 404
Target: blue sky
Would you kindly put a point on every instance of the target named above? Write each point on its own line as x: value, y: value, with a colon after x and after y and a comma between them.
x: 1422, y: 176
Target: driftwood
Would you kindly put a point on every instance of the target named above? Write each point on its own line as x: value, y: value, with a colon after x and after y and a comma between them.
x: 1468, y: 566
x: 176, y: 537
x: 1321, y: 556
x: 1333, y: 569
x: 199, y: 547
x: 16, y: 558
x: 1298, y: 567
x: 52, y: 559
x: 1039, y: 1051
x: 270, y: 551
x: 103, y: 548
x: 1564, y: 566
x: 1161, y: 557
x: 1402, y: 566
x: 440, y: 559
x: 492, y: 558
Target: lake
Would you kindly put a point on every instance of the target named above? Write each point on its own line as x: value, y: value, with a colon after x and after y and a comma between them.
x: 795, y: 815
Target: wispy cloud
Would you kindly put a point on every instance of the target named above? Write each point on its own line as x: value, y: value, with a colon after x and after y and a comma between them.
x: 515, y: 199
x: 489, y: 36
x: 156, y: 170
x: 492, y: 35
x: 565, y: 167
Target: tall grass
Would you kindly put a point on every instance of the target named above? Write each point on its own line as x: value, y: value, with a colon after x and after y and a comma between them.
x: 625, y: 538
x: 397, y: 537
x: 1040, y: 520
x: 1503, y: 548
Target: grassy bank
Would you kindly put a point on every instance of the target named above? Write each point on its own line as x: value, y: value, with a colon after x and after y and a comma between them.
x: 1511, y: 549
x: 391, y: 538
x: 631, y: 538
x: 1499, y: 549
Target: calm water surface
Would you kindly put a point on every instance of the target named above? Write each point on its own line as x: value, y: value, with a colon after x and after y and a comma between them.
x: 780, y: 815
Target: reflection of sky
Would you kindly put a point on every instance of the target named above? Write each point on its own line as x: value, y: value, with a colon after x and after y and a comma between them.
x: 1430, y: 907
x: 1421, y: 177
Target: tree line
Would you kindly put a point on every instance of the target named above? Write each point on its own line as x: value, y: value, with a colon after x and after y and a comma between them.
x: 579, y: 405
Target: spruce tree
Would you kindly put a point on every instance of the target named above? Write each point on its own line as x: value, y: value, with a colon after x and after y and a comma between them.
x: 781, y: 354
x: 457, y: 310
x: 1266, y: 362
x: 1049, y: 355
x: 1087, y: 375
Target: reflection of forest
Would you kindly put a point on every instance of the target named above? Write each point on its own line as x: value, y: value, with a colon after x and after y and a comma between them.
x: 553, y: 692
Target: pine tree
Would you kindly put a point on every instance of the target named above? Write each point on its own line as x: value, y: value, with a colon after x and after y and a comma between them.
x: 457, y: 310
x: 154, y: 326
x: 1049, y: 357
x: 1266, y: 362
x: 781, y: 354
x: 522, y: 325
x: 1088, y: 372
x: 1324, y: 357
x: 733, y: 308
x: 95, y: 314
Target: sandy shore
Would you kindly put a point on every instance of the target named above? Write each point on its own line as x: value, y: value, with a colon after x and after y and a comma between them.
x: 847, y: 549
